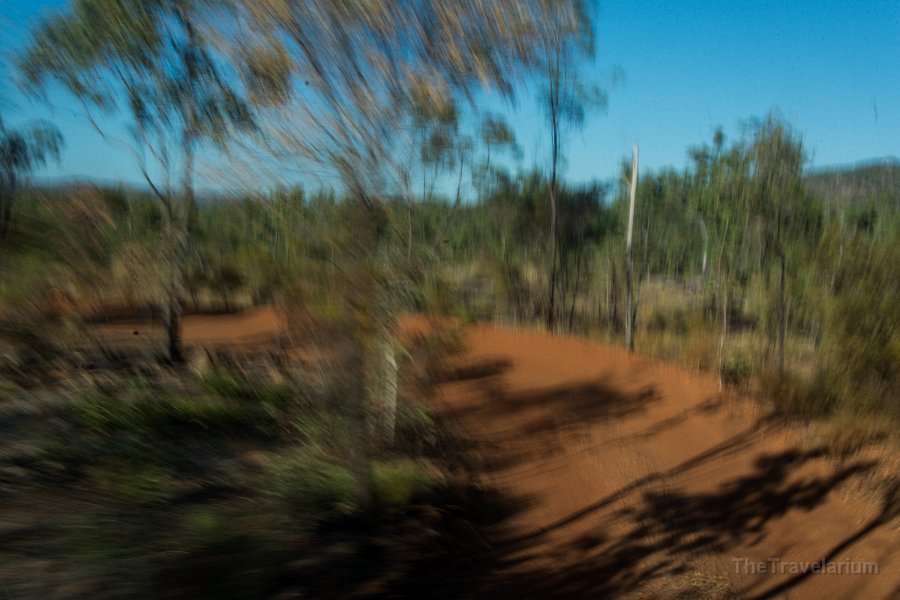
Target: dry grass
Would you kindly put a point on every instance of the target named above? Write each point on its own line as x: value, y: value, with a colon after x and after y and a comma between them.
x: 694, y: 584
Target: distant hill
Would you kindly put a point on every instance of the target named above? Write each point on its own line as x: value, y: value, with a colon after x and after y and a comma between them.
x: 872, y: 180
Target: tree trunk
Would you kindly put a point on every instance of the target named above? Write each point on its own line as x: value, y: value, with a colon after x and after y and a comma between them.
x: 705, y: 245
x: 782, y: 313
x: 173, y: 330
x: 551, y: 305
x: 724, y: 332
x: 5, y: 216
x: 409, y: 222
x: 180, y: 208
x: 554, y: 167
x: 7, y: 197
x: 629, y: 259
x: 383, y: 385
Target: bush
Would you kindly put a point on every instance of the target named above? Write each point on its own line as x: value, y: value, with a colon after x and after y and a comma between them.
x: 862, y: 337
x: 323, y: 428
x: 227, y: 385
x: 135, y: 484
x: 796, y: 397
x: 8, y: 392
x: 310, y: 483
x: 736, y: 370
x: 398, y: 482
x: 278, y: 396
x: 416, y: 432
x: 230, y: 385
x: 676, y: 321
x: 845, y: 433
x: 158, y: 415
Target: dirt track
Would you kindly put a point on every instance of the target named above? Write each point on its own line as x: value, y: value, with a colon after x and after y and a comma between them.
x: 629, y: 477
x: 625, y: 477
x: 257, y: 326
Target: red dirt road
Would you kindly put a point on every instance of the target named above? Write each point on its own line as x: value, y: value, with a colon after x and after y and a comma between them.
x: 620, y: 476
x: 627, y: 477
x: 258, y: 326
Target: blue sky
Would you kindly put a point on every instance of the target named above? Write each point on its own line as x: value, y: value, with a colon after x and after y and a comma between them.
x: 831, y: 68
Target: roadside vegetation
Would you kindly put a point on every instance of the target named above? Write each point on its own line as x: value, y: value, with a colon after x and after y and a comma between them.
x: 134, y: 463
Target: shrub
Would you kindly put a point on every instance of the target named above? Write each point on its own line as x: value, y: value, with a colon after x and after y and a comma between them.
x: 278, y: 396
x: 323, y: 428
x: 398, y: 482
x: 795, y: 396
x: 230, y: 385
x: 151, y: 415
x: 207, y: 525
x: 8, y: 392
x: 845, y: 433
x: 736, y: 370
x: 310, y: 483
x: 135, y: 484
x: 227, y: 385
x: 676, y: 321
x: 415, y: 428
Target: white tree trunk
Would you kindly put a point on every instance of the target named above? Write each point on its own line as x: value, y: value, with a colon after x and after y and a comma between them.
x: 629, y: 261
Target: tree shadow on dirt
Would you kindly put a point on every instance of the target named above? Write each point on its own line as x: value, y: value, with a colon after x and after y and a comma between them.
x: 535, y: 422
x: 666, y: 529
x: 646, y: 530
x: 890, y: 509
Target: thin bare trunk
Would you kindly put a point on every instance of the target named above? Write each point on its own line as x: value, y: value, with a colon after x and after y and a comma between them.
x: 409, y: 219
x: 629, y: 259
x: 782, y: 314
x: 724, y: 333
x: 575, y: 287
x: 705, y: 244
x: 554, y: 167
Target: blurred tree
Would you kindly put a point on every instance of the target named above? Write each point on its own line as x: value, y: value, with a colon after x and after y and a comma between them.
x: 359, y: 74
x: 495, y: 135
x: 154, y: 59
x: 777, y: 160
x: 21, y: 151
x: 565, y: 38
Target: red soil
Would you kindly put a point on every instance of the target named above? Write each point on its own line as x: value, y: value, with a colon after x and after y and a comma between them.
x: 256, y: 326
x: 620, y: 473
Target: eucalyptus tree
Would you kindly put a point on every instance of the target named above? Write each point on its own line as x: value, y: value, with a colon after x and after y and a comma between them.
x: 720, y: 202
x: 354, y: 74
x: 436, y: 143
x: 22, y: 151
x: 777, y: 159
x: 495, y: 135
x: 156, y: 62
x: 565, y: 42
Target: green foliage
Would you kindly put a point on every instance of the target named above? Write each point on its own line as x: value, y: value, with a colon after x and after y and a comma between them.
x: 736, y: 370
x: 398, y: 482
x: 135, y: 483
x: 154, y: 415
x: 677, y: 321
x: 20, y: 153
x: 862, y: 339
x: 309, y: 483
x: 8, y: 391
x: 323, y: 428
x: 208, y: 525
x: 414, y: 421
x: 796, y: 396
x: 233, y: 385
x: 227, y: 384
